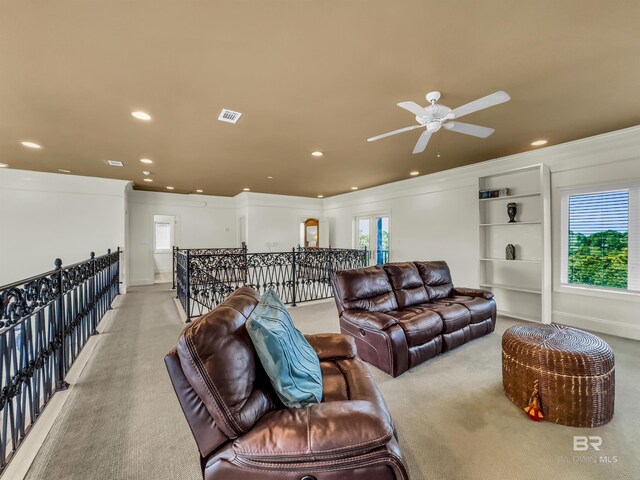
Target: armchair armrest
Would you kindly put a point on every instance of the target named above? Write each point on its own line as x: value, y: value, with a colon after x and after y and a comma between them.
x: 332, y: 345
x: 377, y: 320
x: 322, y: 431
x: 473, y: 292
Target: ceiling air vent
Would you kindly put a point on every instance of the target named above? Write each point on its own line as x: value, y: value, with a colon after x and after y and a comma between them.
x: 229, y: 116
x: 115, y: 163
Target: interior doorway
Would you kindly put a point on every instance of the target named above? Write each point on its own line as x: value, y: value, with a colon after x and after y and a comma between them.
x: 164, y: 227
x: 372, y: 233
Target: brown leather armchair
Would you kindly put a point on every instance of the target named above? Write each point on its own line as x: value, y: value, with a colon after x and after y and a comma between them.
x: 402, y: 314
x: 243, y: 431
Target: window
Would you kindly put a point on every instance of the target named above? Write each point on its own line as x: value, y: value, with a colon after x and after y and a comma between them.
x: 162, y: 236
x: 601, y: 240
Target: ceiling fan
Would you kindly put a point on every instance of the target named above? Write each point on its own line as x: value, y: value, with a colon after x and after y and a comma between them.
x: 436, y: 116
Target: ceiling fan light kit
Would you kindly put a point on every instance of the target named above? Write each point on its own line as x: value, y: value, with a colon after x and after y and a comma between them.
x: 435, y: 116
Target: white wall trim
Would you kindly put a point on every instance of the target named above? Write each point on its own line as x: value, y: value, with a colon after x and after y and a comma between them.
x: 595, y: 324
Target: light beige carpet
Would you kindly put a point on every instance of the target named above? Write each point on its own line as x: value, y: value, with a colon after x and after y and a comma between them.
x: 124, y: 422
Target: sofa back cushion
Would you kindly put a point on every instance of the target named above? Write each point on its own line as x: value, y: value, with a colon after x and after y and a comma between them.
x: 437, y: 279
x: 364, y: 289
x: 407, y: 283
x: 219, y: 361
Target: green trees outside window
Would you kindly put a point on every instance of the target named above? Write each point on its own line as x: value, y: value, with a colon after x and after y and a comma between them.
x: 598, y: 251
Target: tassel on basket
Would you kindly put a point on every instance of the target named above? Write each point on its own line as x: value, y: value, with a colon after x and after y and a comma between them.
x: 533, y: 410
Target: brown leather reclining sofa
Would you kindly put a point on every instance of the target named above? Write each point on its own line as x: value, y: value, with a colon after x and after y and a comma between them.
x: 402, y: 314
x: 244, y: 432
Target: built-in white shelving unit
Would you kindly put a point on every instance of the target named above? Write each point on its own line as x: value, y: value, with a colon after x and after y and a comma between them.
x: 522, y: 287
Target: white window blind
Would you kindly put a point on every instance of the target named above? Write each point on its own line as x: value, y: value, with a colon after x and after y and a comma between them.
x: 163, y: 236
x: 601, y: 239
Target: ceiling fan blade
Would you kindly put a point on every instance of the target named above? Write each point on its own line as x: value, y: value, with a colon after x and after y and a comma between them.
x: 482, y: 103
x: 405, y: 129
x: 469, y: 129
x: 422, y: 142
x: 414, y: 108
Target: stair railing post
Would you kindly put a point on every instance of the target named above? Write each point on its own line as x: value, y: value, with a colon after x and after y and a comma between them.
x: 62, y: 385
x: 118, y: 272
x: 293, y: 275
x: 173, y: 267
x: 188, y: 286
x: 109, y: 280
x: 93, y: 290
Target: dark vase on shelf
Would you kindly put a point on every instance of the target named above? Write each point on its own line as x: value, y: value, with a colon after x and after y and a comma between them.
x: 512, y: 209
x: 510, y: 252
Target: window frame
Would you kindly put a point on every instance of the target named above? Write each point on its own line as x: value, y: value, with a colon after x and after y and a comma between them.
x: 633, y: 271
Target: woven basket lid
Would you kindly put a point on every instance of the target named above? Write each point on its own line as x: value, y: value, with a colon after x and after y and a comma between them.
x: 558, y: 349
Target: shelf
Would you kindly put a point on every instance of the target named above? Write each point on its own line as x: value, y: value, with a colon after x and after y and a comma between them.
x: 512, y: 261
x: 536, y: 291
x: 506, y: 197
x: 508, y: 223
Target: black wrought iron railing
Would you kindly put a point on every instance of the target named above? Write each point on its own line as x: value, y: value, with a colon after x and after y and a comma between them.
x: 44, y: 323
x: 203, y: 280
x: 205, y: 251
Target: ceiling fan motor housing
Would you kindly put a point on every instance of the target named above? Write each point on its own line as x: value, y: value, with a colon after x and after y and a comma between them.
x: 435, y: 113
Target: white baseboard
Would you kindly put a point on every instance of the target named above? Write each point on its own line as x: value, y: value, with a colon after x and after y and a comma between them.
x: 600, y: 325
x: 26, y: 454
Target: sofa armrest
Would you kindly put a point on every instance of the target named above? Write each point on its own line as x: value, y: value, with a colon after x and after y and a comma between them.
x: 377, y: 320
x: 473, y: 292
x: 332, y: 345
x: 322, y: 431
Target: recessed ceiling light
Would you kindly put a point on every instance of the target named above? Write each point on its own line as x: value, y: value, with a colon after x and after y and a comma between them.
x: 146, y: 173
x: 4, y: 165
x: 320, y: 196
x: 317, y: 154
x: 199, y: 191
x: 246, y: 189
x: 354, y: 188
x: 141, y: 115
x: 64, y: 170
x: 30, y: 145
x: 170, y: 188
x: 537, y: 143
x: 115, y: 163
x: 414, y: 173
x: 270, y: 178
x: 146, y: 160
x: 147, y: 180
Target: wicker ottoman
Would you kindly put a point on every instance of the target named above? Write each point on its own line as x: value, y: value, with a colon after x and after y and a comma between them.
x: 575, y: 371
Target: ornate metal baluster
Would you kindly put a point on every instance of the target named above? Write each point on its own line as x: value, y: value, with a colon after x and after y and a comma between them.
x: 44, y: 323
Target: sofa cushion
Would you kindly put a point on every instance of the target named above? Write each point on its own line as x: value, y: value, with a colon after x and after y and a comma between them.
x: 220, y: 362
x: 454, y: 316
x: 479, y: 308
x: 436, y: 278
x: 286, y: 355
x: 419, y: 326
x: 407, y: 284
x: 365, y: 289
x: 323, y: 432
